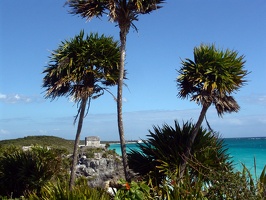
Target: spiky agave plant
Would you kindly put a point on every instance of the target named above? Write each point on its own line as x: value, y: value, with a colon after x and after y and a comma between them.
x: 161, y: 154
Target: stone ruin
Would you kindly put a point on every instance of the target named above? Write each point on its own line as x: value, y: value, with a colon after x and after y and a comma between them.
x: 93, y: 142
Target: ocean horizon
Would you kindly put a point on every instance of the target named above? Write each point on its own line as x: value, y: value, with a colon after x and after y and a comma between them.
x: 250, y: 151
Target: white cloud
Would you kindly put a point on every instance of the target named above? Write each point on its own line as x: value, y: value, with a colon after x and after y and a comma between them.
x: 234, y: 121
x: 136, y: 124
x: 262, y: 99
x: 42, y: 132
x: 4, y: 132
x: 18, y: 98
x: 259, y: 99
x: 262, y: 120
x: 124, y: 99
x: 2, y: 96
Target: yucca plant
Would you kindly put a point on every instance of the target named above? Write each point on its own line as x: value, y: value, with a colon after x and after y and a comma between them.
x: 161, y: 154
x: 239, y: 185
x: 257, y: 185
x: 261, y: 183
x: 185, y: 189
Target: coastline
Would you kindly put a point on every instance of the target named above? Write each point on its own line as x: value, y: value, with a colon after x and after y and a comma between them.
x: 127, y: 142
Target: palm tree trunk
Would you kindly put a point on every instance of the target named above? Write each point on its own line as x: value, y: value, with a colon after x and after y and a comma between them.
x: 191, y: 140
x: 123, y: 34
x: 76, y: 145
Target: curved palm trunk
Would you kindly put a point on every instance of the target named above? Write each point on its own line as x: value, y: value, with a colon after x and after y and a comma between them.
x: 191, y: 140
x: 123, y: 34
x: 76, y: 145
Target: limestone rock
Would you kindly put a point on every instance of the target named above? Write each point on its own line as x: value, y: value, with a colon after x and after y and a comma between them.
x: 99, y: 171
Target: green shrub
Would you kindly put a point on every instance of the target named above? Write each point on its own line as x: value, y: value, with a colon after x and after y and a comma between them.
x: 60, y: 191
x: 209, y: 173
x: 26, y: 171
x: 104, y: 155
x: 90, y: 152
x: 133, y: 191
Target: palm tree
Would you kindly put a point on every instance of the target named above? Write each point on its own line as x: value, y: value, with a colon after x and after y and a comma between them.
x: 82, y: 68
x: 124, y: 13
x: 210, y: 80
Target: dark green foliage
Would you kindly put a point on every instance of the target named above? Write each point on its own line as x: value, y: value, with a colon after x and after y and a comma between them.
x: 230, y: 185
x: 261, y: 183
x: 237, y: 185
x: 90, y: 152
x: 227, y: 185
x: 209, y: 173
x: 161, y: 154
x: 25, y: 171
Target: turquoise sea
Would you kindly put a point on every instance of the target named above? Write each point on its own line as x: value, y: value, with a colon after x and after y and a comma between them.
x: 242, y: 150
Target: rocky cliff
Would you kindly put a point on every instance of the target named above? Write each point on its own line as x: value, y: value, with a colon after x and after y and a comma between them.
x: 101, y: 169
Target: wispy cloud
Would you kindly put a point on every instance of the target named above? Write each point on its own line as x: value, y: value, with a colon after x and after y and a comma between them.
x: 136, y: 124
x: 4, y: 132
x: 19, y: 98
x: 262, y: 99
x: 259, y: 99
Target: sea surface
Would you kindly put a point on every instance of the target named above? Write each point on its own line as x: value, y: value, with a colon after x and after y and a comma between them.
x: 249, y: 151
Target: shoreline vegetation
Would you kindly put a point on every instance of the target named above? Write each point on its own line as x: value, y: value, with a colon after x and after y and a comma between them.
x: 102, y: 170
x: 48, y: 140
x: 53, y: 140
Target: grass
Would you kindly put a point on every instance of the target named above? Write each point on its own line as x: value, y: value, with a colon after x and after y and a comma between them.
x: 50, y: 141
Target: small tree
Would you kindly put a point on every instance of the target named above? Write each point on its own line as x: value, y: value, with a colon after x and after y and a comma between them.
x: 210, y: 79
x: 82, y: 68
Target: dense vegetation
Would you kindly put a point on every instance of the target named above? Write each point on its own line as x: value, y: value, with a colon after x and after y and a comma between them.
x: 26, y: 171
x: 42, y: 173
x: 209, y: 173
x: 181, y: 162
x: 44, y: 141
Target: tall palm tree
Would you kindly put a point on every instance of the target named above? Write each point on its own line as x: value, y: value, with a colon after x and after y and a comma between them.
x: 123, y: 13
x: 210, y: 80
x: 82, y: 68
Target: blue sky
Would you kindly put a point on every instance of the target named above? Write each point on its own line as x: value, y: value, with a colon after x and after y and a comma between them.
x: 30, y: 30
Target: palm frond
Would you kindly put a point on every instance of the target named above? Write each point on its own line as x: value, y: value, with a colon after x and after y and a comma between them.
x: 162, y: 152
x: 212, y: 77
x: 123, y: 12
x: 81, y: 65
